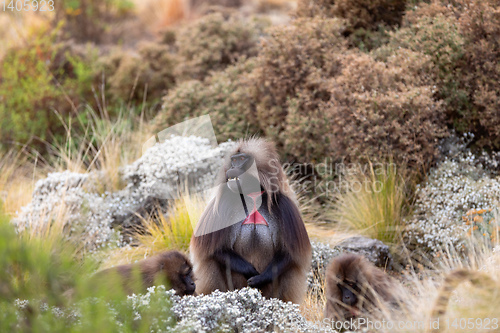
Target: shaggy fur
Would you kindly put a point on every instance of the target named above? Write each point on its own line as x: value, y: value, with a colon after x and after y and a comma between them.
x: 171, y: 268
x: 264, y: 246
x: 372, y: 287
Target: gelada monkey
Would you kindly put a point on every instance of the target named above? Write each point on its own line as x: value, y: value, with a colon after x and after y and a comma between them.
x: 171, y: 268
x: 354, y: 286
x: 252, y: 233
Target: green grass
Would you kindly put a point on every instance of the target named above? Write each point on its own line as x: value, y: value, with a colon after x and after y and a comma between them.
x: 374, y: 203
x: 54, y: 284
x: 173, y: 231
x: 161, y: 232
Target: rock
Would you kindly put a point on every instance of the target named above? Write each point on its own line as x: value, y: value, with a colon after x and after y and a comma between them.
x: 243, y: 310
x: 63, y: 198
x: 166, y: 170
x: 322, y: 254
x: 130, y: 220
x: 162, y: 171
x: 90, y: 217
x: 373, y: 249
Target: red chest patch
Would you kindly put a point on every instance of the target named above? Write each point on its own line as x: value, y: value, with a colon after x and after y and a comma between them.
x: 255, y: 217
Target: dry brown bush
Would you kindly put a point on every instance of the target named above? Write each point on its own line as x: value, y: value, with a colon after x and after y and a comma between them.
x: 463, y: 40
x: 380, y: 109
x: 438, y: 37
x: 290, y: 80
x: 311, y: 8
x: 367, y: 22
x: 480, y: 26
x: 215, y: 42
x: 366, y: 14
x: 90, y: 20
x: 316, y: 98
x: 432, y: 9
x: 145, y: 76
x: 224, y: 96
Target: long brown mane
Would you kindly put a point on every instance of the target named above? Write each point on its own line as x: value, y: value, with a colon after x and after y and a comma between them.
x: 278, y: 196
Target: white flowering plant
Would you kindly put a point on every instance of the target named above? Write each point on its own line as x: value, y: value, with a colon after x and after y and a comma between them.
x: 457, y: 202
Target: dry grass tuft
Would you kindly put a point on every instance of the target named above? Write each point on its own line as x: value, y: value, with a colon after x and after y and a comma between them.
x: 174, y: 229
x: 312, y: 308
x: 17, y: 178
x: 161, y: 232
x: 422, y: 288
x: 105, y: 146
x: 374, y: 202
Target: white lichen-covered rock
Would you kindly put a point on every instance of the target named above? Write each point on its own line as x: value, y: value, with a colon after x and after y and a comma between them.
x: 453, y: 188
x: 372, y: 249
x: 244, y: 310
x: 61, y: 198
x: 88, y: 216
x: 322, y: 254
x: 168, y: 165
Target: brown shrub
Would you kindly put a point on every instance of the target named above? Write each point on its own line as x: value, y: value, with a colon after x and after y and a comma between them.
x: 432, y: 30
x: 295, y: 63
x: 205, y: 6
x: 380, y: 109
x: 366, y: 40
x: 366, y: 14
x: 90, y: 20
x: 223, y: 95
x: 463, y: 40
x: 311, y: 8
x: 414, y: 13
x: 317, y: 99
x: 438, y: 37
x: 480, y: 26
x: 133, y: 78
x: 277, y: 91
x: 215, y: 42
x: 367, y: 22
